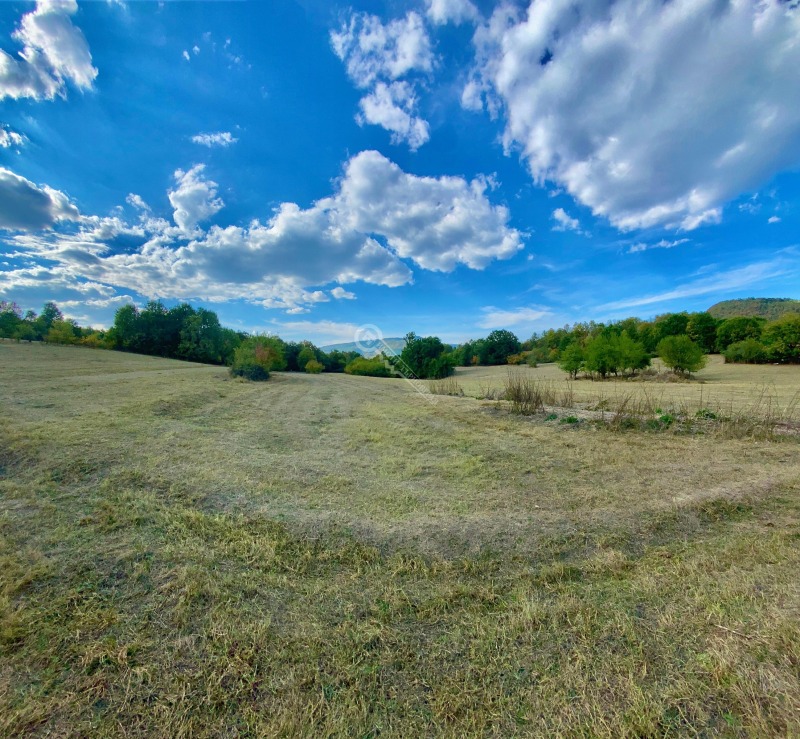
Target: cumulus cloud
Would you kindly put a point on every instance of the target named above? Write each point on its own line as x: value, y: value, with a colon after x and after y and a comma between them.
x: 391, y: 106
x: 451, y: 11
x: 773, y: 219
x: 377, y: 216
x: 341, y: 294
x: 496, y: 318
x: 221, y: 138
x: 379, y: 58
x: 565, y: 222
x: 194, y: 199
x: 9, y: 138
x: 26, y: 207
x: 649, y: 113
x: 438, y: 222
x: 663, y: 244
x: 54, y: 53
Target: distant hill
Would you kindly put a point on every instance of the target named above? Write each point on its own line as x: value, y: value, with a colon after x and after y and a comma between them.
x: 769, y: 308
x: 395, y: 344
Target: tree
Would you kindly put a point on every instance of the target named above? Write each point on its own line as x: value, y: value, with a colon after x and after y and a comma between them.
x: 10, y: 319
x: 783, y: 338
x: 306, y: 355
x: 572, y: 360
x: 631, y: 354
x: 736, y: 329
x: 602, y: 355
x: 671, y: 324
x: 702, y: 330
x: 313, y: 367
x: 681, y: 354
x: 50, y: 313
x: 748, y: 351
x: 498, y: 346
x: 63, y: 332
x: 425, y: 357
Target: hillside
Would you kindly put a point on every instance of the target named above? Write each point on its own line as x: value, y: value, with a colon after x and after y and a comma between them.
x: 395, y: 344
x: 769, y: 308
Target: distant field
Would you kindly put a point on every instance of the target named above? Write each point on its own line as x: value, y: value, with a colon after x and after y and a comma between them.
x: 182, y: 554
x: 720, y: 384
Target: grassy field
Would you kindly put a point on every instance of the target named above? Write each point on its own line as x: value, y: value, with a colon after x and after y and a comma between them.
x: 182, y: 554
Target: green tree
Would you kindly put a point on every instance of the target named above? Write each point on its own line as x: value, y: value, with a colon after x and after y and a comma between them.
x: 631, y: 354
x: 749, y: 351
x: 671, y: 324
x: 702, y: 330
x: 63, y: 332
x: 10, y: 319
x: 374, y: 367
x: 782, y: 338
x: 425, y: 357
x: 602, y: 355
x: 736, y: 329
x: 681, y: 354
x: 498, y: 346
x: 306, y: 355
x: 50, y: 313
x: 313, y: 367
x: 572, y: 360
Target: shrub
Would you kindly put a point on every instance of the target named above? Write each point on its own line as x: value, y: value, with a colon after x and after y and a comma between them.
x: 313, y: 367
x: 375, y: 367
x: 253, y: 359
x: 681, y: 354
x: 749, y: 351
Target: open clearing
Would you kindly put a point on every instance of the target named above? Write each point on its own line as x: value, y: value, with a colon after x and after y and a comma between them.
x: 182, y: 554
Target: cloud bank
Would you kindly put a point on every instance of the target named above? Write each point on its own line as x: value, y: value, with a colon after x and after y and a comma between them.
x: 649, y: 113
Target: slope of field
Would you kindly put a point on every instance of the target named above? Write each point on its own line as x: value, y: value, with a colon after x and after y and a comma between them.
x: 769, y: 308
x: 182, y: 554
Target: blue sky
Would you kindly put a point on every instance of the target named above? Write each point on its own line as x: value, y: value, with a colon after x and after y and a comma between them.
x: 444, y: 166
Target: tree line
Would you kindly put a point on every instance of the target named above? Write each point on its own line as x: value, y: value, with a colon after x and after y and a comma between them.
x: 622, y: 347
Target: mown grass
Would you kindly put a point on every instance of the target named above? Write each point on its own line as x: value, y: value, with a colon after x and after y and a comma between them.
x: 186, y: 555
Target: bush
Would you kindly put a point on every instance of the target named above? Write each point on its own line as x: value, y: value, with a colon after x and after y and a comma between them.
x: 375, y: 367
x: 681, y: 354
x: 249, y: 371
x: 749, y: 351
x: 313, y: 367
x: 253, y: 359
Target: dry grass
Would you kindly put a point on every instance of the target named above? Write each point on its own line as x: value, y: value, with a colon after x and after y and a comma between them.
x: 186, y: 555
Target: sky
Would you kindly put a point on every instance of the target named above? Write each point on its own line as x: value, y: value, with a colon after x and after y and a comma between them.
x: 449, y: 167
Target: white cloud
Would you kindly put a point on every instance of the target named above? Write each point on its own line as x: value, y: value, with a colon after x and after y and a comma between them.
x: 195, y: 199
x: 372, y: 50
x: 27, y: 207
x: 54, y: 53
x: 221, y: 138
x: 748, y: 276
x: 378, y: 58
x: 185, y: 55
x: 564, y: 222
x: 341, y: 294
x: 137, y: 202
x: 438, y: 222
x: 496, y: 318
x: 649, y: 113
x: 9, y: 138
x: 377, y: 216
x: 663, y: 244
x: 451, y: 11
x: 391, y: 106
x: 319, y: 332
x: 773, y: 219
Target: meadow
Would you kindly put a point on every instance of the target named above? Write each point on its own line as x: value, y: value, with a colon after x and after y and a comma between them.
x: 185, y: 554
